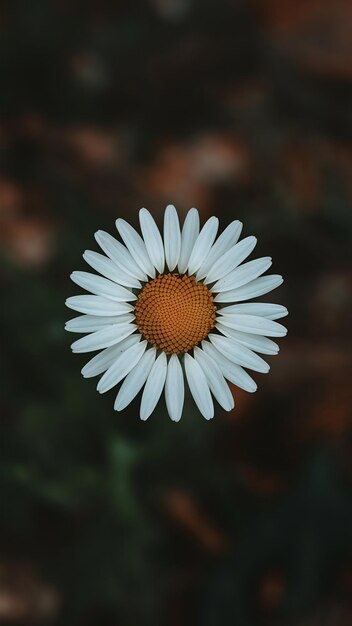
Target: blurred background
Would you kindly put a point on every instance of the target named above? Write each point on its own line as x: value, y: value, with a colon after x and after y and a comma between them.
x: 244, y: 110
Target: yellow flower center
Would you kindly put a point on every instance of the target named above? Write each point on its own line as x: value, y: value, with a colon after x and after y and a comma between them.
x: 174, y: 313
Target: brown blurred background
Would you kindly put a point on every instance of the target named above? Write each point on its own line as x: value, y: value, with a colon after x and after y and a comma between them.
x: 244, y: 110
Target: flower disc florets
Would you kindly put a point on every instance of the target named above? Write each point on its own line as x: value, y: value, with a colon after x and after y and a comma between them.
x: 175, y: 313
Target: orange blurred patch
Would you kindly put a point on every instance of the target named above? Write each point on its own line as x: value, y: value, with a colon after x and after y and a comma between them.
x: 315, y: 34
x: 187, y: 172
x: 11, y: 200
x: 301, y: 175
x: 29, y: 241
x: 23, y: 595
x: 182, y: 508
x: 259, y: 482
x: 332, y: 416
x: 243, y: 403
x: 95, y: 147
x: 271, y: 590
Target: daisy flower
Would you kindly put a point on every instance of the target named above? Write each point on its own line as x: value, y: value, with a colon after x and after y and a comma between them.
x: 165, y: 310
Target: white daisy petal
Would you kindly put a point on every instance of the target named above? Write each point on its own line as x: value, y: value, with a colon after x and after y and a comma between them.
x: 135, y: 244
x: 224, y: 242
x: 118, y: 253
x: 91, y: 323
x: 254, y: 324
x: 103, y: 338
x: 190, y: 232
x: 97, y: 305
x: 239, y: 354
x: 270, y: 311
x: 109, y: 269
x: 135, y: 380
x: 154, y: 386
x: 199, y: 387
x: 121, y: 366
x: 231, y: 259
x: 174, y: 388
x: 152, y: 240
x: 257, y: 343
x: 242, y: 275
x: 281, y: 311
x: 102, y: 287
x: 203, y: 244
x: 172, y: 237
x: 102, y: 361
x: 232, y: 372
x: 215, y: 379
x: 253, y: 289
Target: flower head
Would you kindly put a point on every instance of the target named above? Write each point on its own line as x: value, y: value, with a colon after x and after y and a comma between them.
x: 163, y: 310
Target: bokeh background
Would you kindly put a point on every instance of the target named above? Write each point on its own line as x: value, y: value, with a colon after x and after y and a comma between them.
x: 244, y: 110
